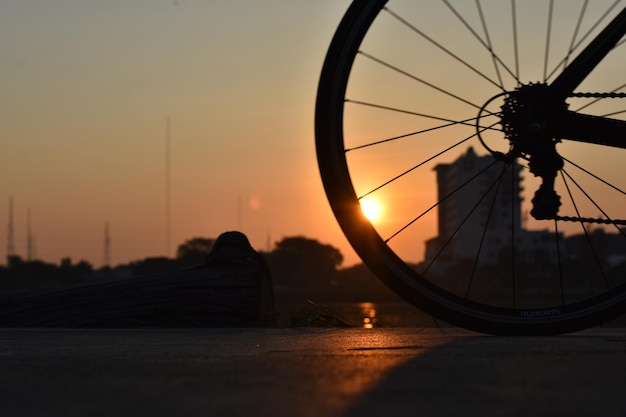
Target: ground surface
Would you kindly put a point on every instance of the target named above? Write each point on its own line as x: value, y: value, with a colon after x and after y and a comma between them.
x: 305, y: 372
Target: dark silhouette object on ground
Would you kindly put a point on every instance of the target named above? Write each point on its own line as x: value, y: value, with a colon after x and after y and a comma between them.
x: 223, y: 292
x: 232, y: 248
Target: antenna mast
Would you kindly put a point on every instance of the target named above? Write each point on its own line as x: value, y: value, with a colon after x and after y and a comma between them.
x: 107, y: 245
x: 167, y: 187
x: 30, y: 249
x: 10, y: 236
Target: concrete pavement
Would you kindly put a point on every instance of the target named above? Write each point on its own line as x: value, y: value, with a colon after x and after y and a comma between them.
x: 310, y: 372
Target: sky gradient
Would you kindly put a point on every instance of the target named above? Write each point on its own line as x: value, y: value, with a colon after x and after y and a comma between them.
x: 99, y: 101
x: 87, y: 89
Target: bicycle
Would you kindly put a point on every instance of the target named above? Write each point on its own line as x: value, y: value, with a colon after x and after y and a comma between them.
x: 504, y: 210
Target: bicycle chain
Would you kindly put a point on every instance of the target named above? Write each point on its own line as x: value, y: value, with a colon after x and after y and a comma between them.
x: 589, y: 219
x: 599, y: 95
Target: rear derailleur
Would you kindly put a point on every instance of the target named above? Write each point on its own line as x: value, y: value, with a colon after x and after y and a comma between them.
x: 526, y: 122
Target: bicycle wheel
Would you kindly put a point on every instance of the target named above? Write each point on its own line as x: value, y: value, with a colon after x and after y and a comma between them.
x: 493, y: 220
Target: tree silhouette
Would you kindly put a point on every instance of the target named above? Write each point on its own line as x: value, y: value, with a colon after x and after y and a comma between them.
x: 305, y: 249
x: 154, y: 265
x: 303, y: 267
x: 194, y: 251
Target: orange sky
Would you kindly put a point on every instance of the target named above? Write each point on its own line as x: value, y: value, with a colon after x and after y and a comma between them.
x: 87, y: 89
x: 86, y: 92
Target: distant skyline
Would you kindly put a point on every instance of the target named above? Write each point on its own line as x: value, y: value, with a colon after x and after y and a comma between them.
x: 87, y: 89
x: 151, y: 122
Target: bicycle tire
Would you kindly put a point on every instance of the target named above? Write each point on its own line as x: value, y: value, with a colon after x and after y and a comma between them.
x: 402, y: 276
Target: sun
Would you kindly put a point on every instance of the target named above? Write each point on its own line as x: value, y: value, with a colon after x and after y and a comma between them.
x: 371, y: 208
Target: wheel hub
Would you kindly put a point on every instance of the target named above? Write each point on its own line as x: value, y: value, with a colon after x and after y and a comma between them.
x: 521, y: 119
x: 526, y: 116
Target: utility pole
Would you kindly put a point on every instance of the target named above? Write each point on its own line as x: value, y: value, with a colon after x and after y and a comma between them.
x: 239, y: 213
x: 167, y: 187
x: 107, y: 245
x: 10, y: 236
x: 30, y: 250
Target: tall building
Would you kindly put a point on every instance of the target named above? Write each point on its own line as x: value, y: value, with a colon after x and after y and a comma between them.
x: 481, y: 201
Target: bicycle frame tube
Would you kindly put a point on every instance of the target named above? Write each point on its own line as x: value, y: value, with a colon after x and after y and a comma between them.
x: 588, y: 59
x: 591, y: 129
x: 580, y: 127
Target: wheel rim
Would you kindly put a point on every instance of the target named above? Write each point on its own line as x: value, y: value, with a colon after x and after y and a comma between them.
x: 382, y: 127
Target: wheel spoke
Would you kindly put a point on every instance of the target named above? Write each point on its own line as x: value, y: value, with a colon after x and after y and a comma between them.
x: 575, y: 34
x: 593, y: 201
x: 599, y: 99
x: 486, y: 44
x: 594, y: 176
x: 586, y: 232
x: 441, y: 47
x: 469, y: 121
x: 406, y: 226
x: 515, y: 42
x: 548, y: 37
x: 418, y: 79
x: 558, y: 261
x: 438, y: 154
x: 395, y: 138
x: 455, y: 231
x: 513, y: 254
x: 407, y: 86
x: 494, y: 57
x: 497, y: 182
x: 579, y: 43
x: 615, y: 113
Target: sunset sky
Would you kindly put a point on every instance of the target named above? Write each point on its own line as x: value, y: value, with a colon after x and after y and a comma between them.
x: 87, y: 89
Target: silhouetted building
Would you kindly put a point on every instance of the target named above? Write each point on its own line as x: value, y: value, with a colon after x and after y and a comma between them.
x: 611, y: 247
x: 481, y: 201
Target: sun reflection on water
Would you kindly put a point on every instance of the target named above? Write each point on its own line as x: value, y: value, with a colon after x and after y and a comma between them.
x: 368, y: 312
